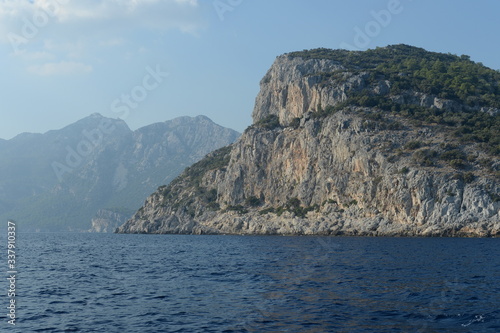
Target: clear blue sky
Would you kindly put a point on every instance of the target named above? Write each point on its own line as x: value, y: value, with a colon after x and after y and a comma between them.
x: 65, y: 59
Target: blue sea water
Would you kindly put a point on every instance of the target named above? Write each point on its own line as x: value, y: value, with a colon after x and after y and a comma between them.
x: 175, y: 283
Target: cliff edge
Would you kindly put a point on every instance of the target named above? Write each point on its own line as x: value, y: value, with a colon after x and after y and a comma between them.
x: 395, y: 141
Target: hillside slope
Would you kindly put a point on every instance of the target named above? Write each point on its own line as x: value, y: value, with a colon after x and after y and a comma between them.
x: 391, y: 141
x: 59, y: 180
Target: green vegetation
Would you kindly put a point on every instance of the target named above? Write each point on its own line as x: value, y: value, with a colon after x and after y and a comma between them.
x: 252, y: 201
x: 445, y: 75
x: 467, y: 126
x: 408, y: 68
x: 329, y: 110
x: 412, y: 145
x: 425, y: 157
x: 270, y: 122
x: 266, y: 211
x: 237, y: 208
x: 455, y: 157
x: 213, y: 206
x: 193, y: 175
x: 218, y: 159
x: 450, y: 193
x: 293, y: 205
x: 211, y: 196
x: 467, y: 177
x: 457, y: 164
x: 392, y: 158
x: 295, y: 123
x: 454, y: 154
x: 494, y: 197
x: 428, y: 157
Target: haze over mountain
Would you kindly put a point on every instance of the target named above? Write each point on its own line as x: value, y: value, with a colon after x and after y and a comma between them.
x: 59, y: 180
x: 390, y: 141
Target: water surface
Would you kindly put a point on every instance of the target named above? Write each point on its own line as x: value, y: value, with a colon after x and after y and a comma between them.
x: 175, y: 283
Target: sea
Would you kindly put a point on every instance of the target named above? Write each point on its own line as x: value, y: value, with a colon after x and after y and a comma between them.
x: 83, y: 282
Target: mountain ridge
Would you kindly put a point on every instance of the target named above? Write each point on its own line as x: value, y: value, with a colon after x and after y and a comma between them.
x: 58, y: 180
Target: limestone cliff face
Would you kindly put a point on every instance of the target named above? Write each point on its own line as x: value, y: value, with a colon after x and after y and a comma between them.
x: 346, y: 172
x: 293, y: 86
x: 290, y: 88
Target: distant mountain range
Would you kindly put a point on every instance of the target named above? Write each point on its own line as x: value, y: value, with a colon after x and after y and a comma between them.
x: 59, y: 180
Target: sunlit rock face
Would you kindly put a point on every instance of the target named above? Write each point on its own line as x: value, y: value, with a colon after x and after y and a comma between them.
x: 354, y: 170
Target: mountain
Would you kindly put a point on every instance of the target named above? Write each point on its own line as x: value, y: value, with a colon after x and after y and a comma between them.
x: 385, y: 142
x: 58, y: 181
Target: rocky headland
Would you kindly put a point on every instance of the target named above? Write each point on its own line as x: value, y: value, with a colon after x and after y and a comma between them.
x: 395, y: 141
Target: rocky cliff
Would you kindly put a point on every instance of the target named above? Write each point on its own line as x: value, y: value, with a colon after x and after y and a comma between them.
x: 350, y: 143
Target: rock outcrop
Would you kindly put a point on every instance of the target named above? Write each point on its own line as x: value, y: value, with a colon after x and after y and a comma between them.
x: 107, y: 220
x: 316, y: 162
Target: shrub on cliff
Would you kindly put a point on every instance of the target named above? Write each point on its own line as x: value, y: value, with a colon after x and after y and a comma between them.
x: 270, y: 122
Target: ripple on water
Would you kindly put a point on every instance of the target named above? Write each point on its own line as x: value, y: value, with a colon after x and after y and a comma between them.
x: 174, y: 283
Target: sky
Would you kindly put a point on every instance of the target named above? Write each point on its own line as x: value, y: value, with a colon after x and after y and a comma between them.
x: 147, y: 61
